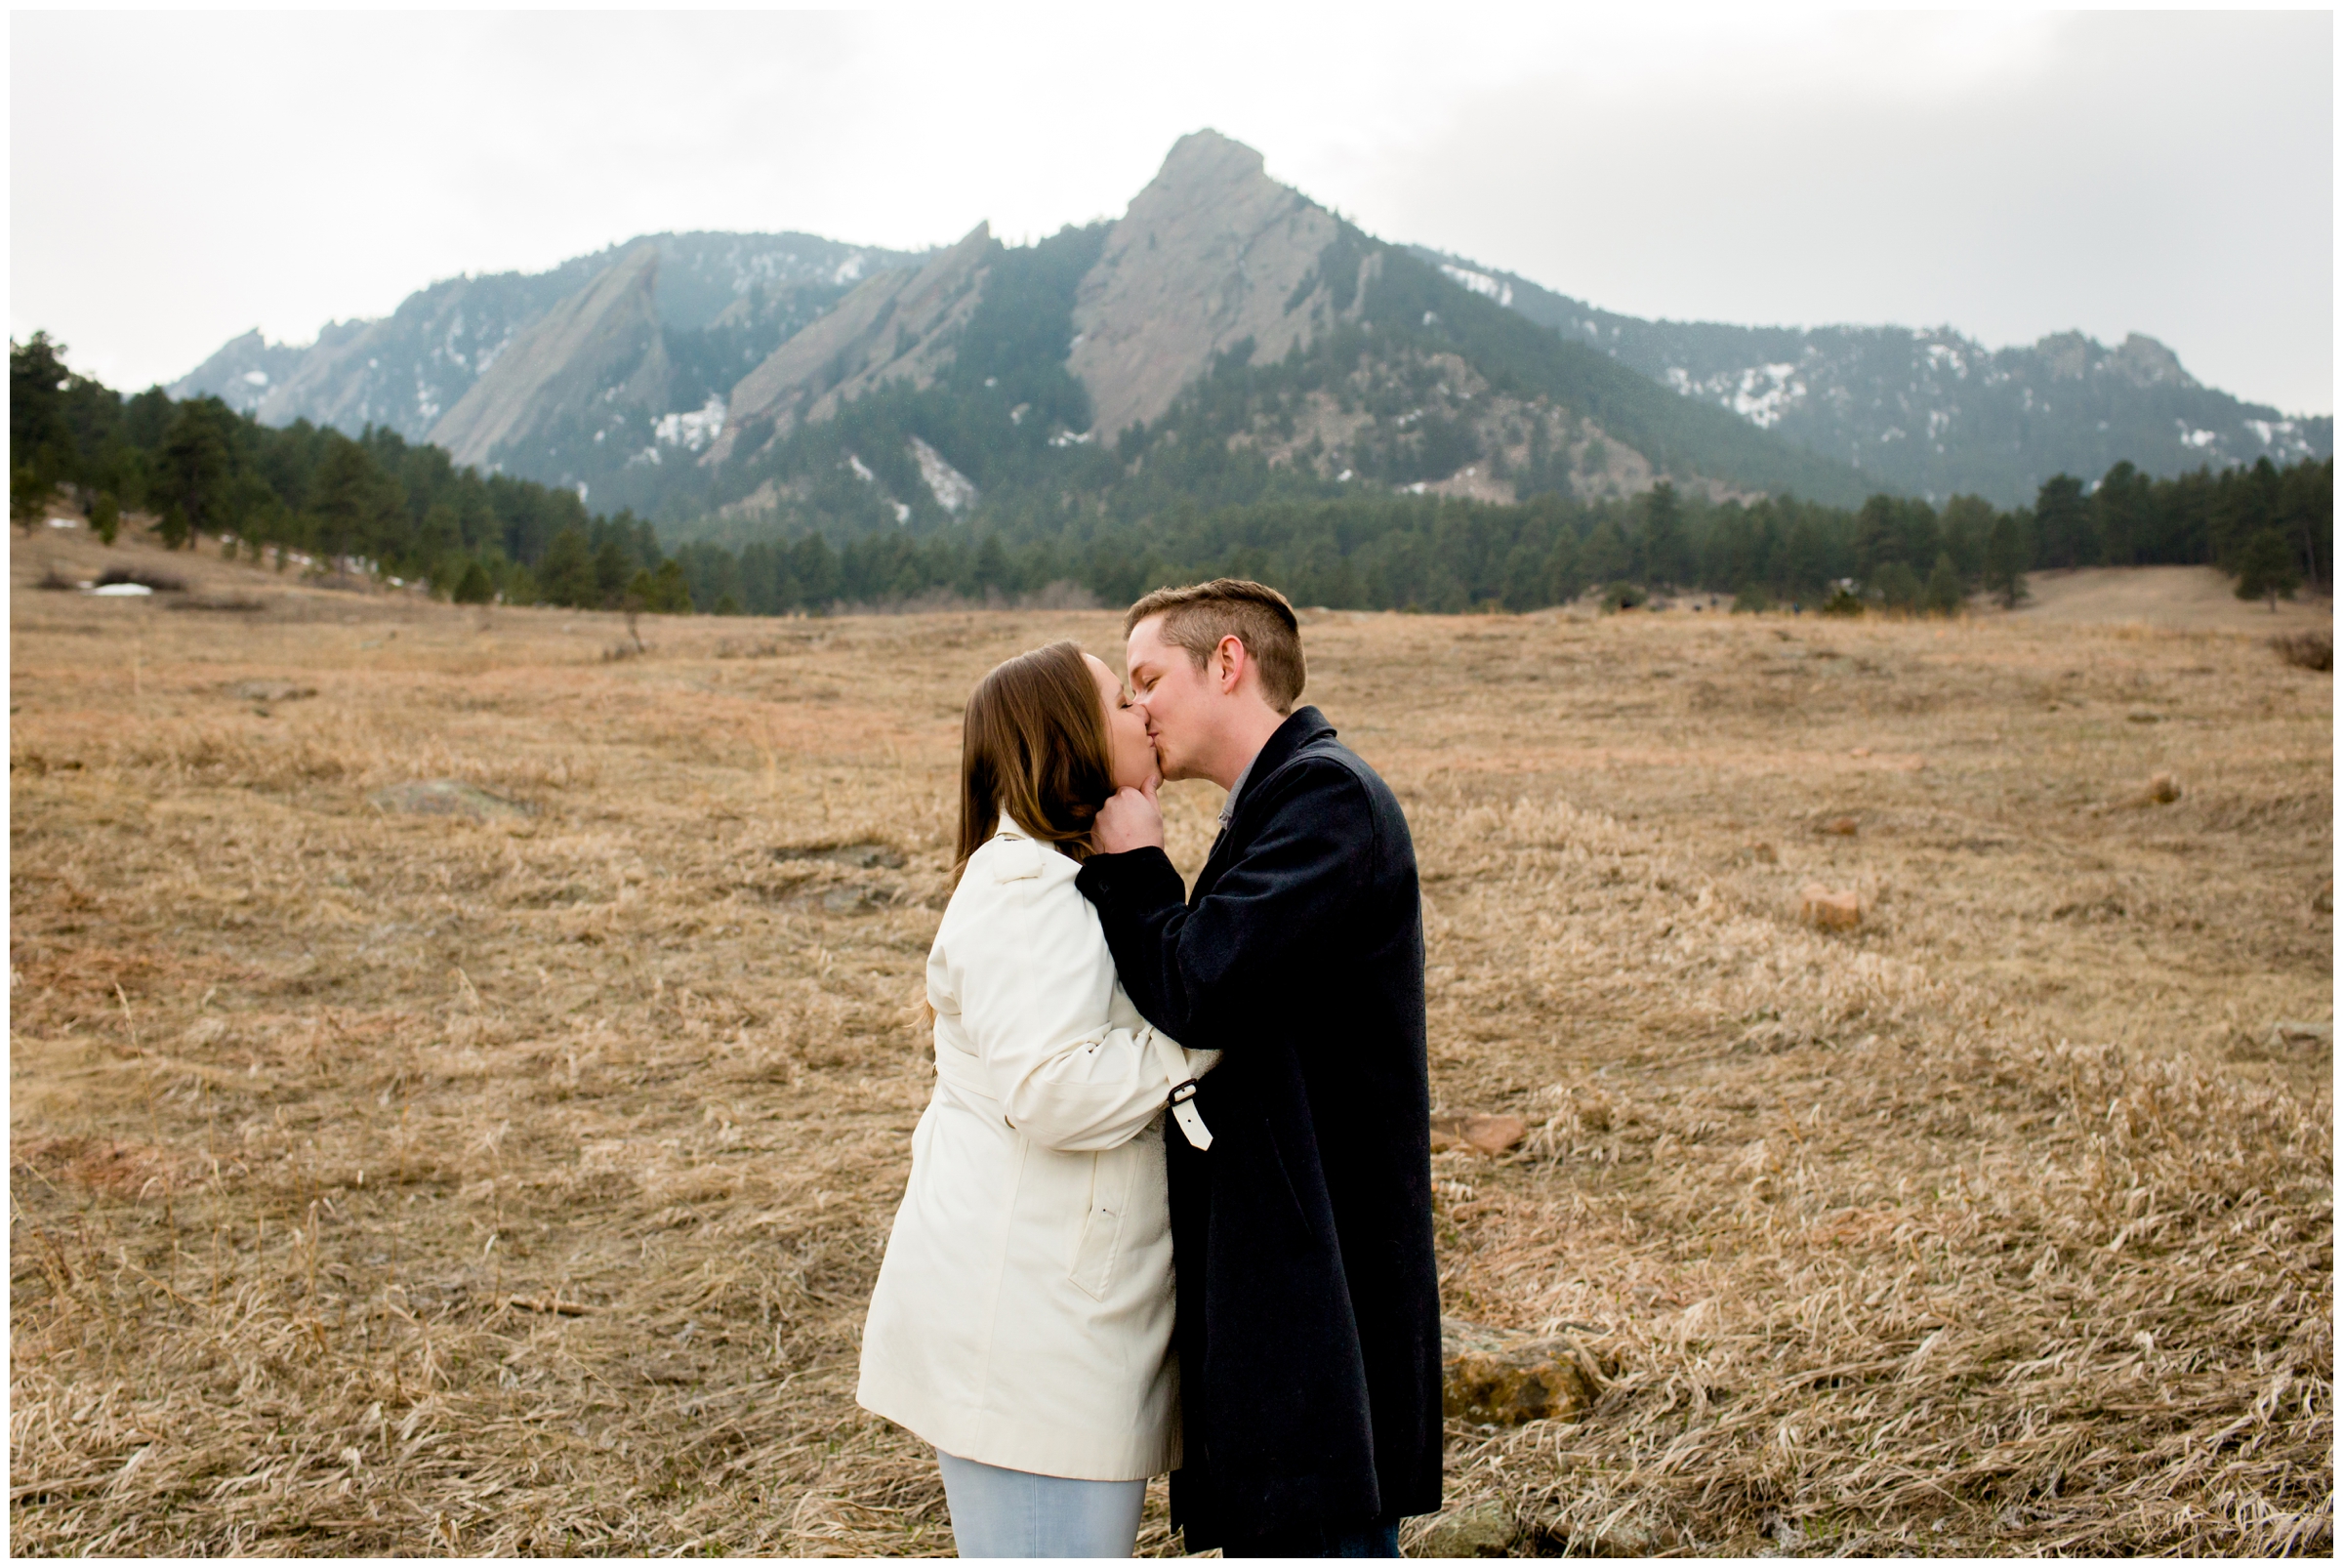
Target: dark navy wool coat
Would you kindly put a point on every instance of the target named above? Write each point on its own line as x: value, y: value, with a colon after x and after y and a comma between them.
x: 1309, y: 1311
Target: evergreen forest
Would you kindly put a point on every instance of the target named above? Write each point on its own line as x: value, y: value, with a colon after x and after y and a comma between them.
x: 1161, y: 511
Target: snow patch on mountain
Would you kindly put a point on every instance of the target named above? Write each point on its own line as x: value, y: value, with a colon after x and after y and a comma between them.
x: 953, y: 490
x: 1480, y: 282
x: 691, y: 428
x: 1758, y: 393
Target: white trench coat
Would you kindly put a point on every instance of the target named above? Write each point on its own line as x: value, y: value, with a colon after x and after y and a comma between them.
x: 1023, y: 1313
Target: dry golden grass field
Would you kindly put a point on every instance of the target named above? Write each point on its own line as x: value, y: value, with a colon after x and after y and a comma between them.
x: 402, y: 1183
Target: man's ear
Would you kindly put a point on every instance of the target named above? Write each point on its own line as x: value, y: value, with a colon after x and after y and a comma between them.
x: 1231, y: 657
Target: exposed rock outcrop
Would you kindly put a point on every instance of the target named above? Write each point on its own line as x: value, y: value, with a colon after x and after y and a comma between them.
x: 242, y: 372
x: 1212, y: 252
x: 899, y: 324
x: 406, y: 370
x: 601, y: 342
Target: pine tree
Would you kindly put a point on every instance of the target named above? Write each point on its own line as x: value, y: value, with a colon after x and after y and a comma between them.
x: 1564, y: 581
x: 2063, y: 526
x: 610, y: 573
x: 1968, y: 520
x: 2006, y: 554
x: 2265, y: 568
x: 1941, y: 595
x: 1603, y: 558
x: 565, y: 575
x: 1667, y: 557
x: 194, y: 471
x: 40, y: 438
x: 1877, y: 538
x: 473, y: 586
x: 814, y: 565
x: 671, y: 594
x: 351, y: 501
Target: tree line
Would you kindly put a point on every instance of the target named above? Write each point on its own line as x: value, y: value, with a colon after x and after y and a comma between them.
x: 2273, y: 528
x: 379, y: 503
x: 374, y: 504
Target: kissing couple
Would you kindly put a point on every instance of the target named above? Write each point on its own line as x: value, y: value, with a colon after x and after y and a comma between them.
x: 1080, y: 1293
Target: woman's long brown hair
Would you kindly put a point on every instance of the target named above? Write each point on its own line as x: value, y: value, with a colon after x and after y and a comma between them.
x: 1034, y: 746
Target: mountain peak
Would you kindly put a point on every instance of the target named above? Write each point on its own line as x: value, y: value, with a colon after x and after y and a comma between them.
x: 1212, y: 253
x: 2146, y: 362
x: 1207, y: 157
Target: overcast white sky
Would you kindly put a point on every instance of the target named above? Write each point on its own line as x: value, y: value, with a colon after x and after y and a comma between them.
x: 179, y: 179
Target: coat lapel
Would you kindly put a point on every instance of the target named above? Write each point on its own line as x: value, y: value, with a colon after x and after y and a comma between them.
x: 1301, y: 726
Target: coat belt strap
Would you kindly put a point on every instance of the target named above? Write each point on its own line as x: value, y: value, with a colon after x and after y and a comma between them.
x: 1178, y: 1069
x: 1190, y: 1119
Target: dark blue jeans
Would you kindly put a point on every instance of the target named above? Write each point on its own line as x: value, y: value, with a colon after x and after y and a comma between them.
x: 1374, y: 1539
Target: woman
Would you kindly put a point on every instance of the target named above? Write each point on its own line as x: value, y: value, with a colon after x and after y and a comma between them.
x: 1022, y: 1319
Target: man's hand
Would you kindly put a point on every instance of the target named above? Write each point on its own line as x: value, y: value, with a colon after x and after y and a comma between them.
x: 1131, y: 820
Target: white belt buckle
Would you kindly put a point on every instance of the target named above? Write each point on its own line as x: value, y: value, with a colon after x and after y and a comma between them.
x: 1190, y: 1119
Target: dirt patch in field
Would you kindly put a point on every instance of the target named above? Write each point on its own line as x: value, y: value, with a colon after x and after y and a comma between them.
x: 399, y: 1184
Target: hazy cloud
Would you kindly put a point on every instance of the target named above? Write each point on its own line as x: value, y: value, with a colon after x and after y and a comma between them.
x: 179, y: 179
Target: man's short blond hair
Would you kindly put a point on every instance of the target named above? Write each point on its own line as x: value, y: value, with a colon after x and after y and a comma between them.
x: 1197, y: 617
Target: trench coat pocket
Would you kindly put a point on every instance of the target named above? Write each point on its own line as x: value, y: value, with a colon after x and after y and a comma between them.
x: 1100, y: 1244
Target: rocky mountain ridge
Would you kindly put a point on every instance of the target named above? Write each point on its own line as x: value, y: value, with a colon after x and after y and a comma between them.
x: 687, y: 377
x: 410, y: 369
x: 1932, y: 411
x: 898, y: 325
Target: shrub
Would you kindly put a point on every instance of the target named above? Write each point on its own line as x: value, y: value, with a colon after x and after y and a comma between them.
x: 2305, y: 650
x: 473, y: 587
x: 145, y: 577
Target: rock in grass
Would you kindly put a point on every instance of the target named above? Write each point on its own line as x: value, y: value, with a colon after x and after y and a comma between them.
x: 1484, y: 1529
x: 1829, y: 909
x: 1498, y: 1377
x: 446, y: 797
x: 1486, y: 1135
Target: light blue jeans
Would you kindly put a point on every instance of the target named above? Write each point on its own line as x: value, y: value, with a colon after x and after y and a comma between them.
x: 1014, y: 1513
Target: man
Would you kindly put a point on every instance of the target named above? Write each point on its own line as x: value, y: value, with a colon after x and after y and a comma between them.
x: 1308, y: 1326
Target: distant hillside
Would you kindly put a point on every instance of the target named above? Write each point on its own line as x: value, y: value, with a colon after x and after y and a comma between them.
x: 686, y: 376
x: 1225, y: 340
x: 1932, y: 412
x: 718, y: 304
